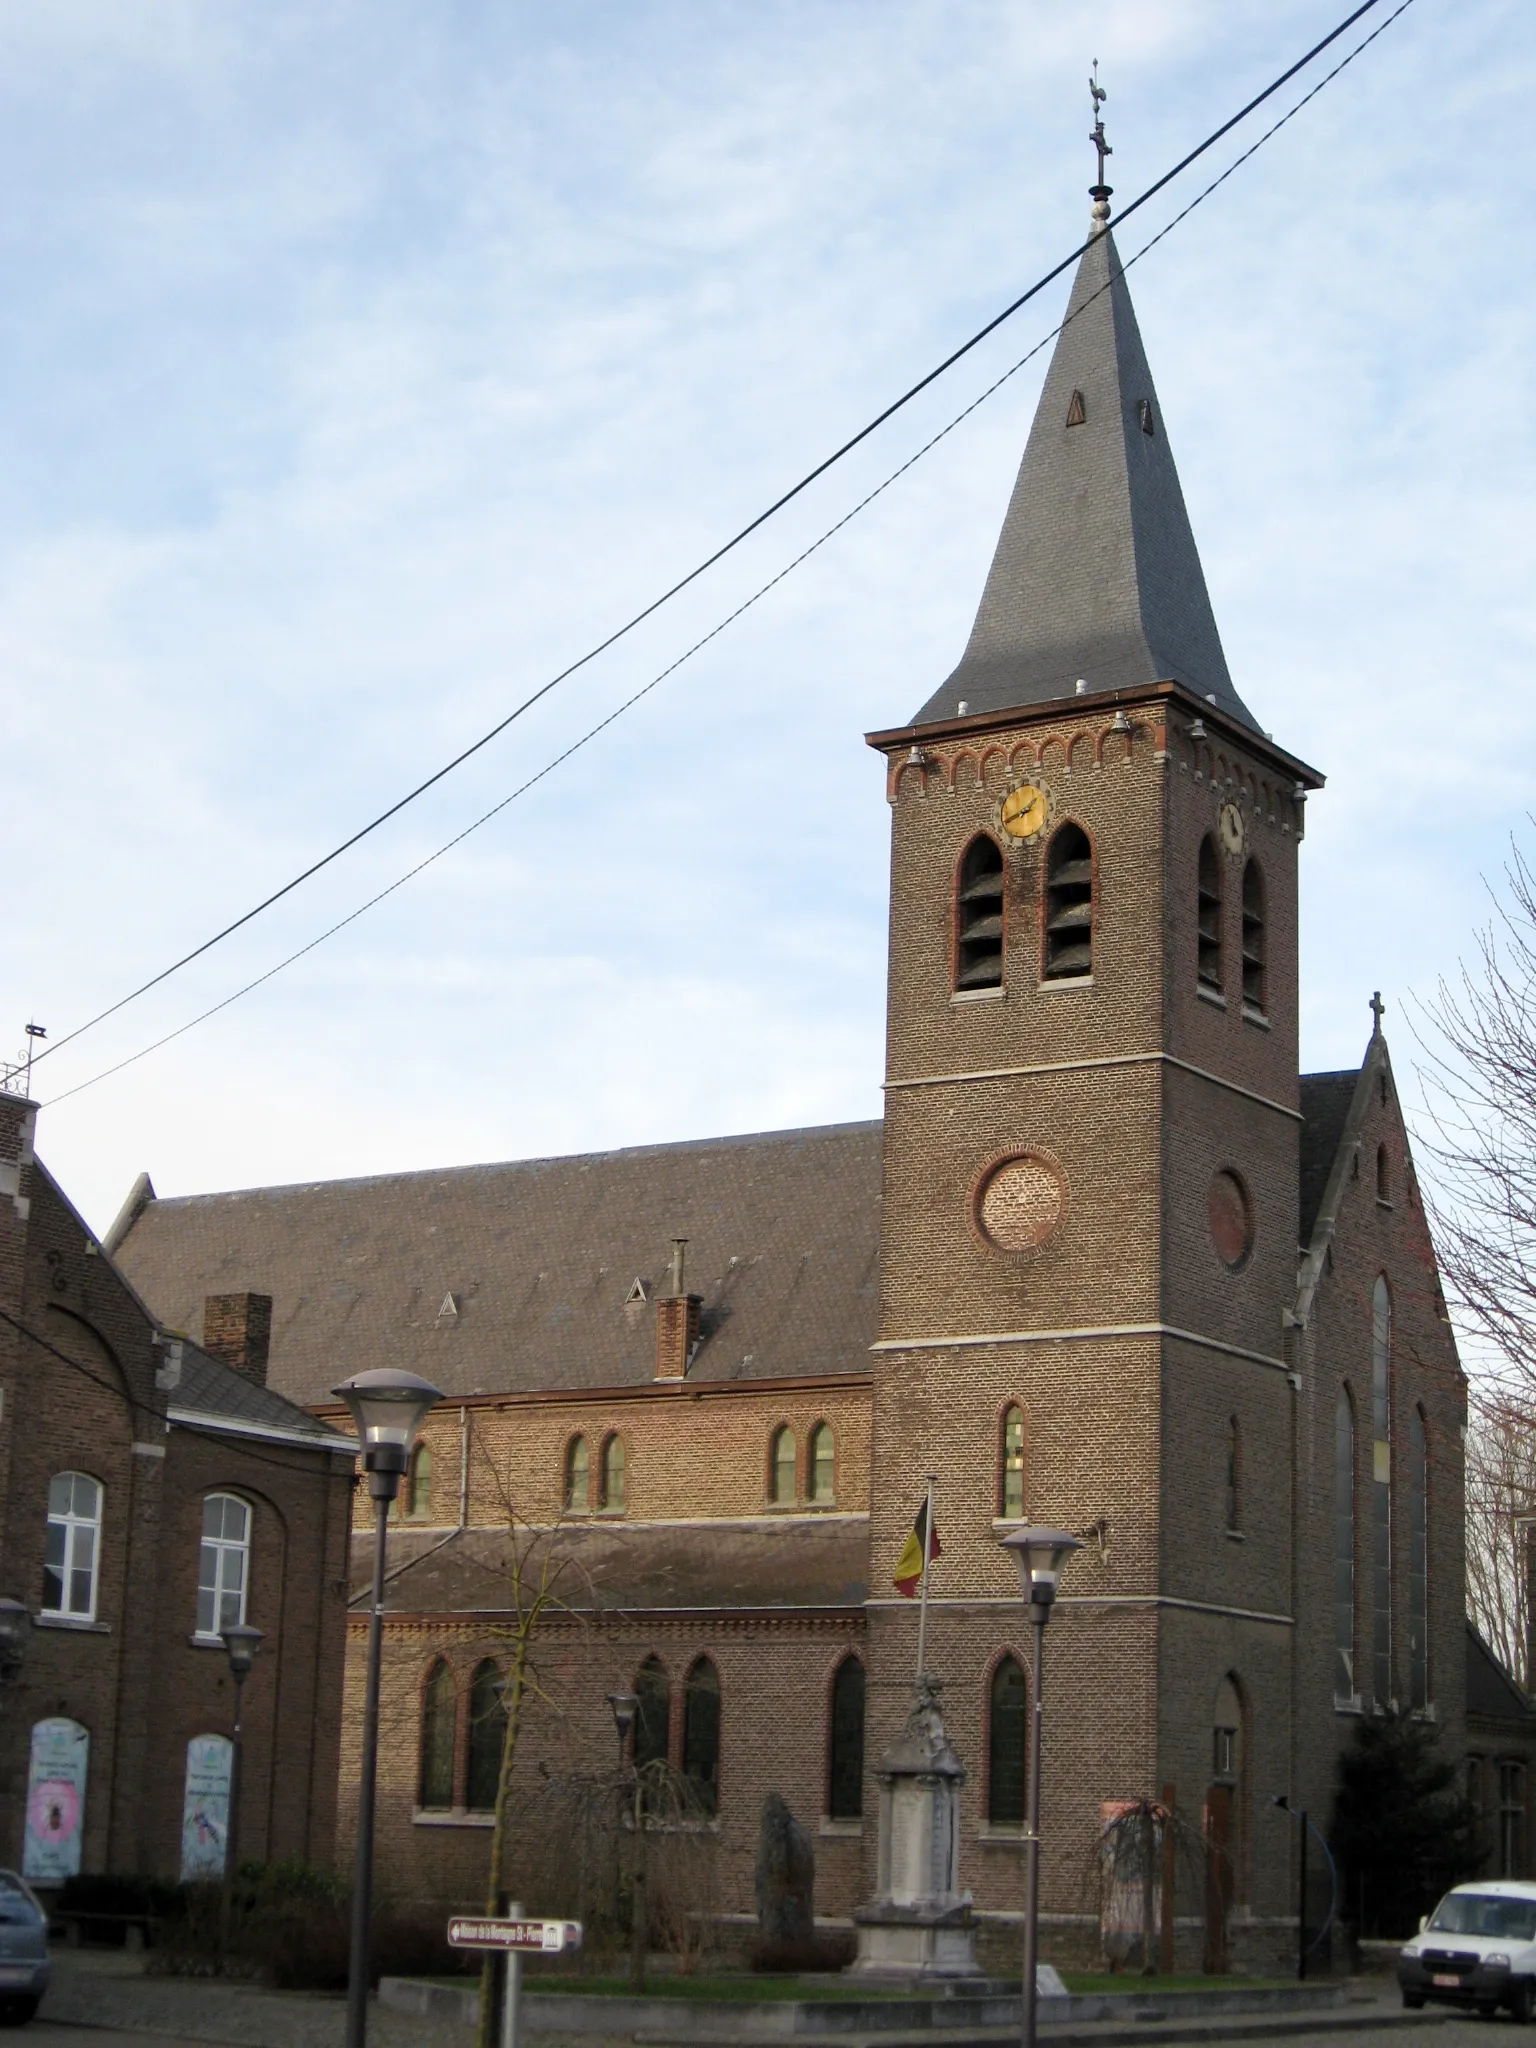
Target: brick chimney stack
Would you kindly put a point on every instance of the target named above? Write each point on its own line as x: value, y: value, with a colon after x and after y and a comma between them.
x: 677, y: 1321
x: 237, y: 1330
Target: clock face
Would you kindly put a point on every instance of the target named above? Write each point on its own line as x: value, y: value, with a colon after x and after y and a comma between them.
x: 1024, y: 811
x: 1233, y: 828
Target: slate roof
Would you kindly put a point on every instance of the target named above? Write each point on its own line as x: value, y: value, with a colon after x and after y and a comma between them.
x: 1491, y: 1692
x: 209, y: 1389
x: 1325, y: 1101
x: 612, y: 1567
x: 539, y: 1256
x: 1096, y: 574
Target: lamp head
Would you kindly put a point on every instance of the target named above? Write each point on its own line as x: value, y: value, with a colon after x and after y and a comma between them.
x: 626, y: 1711
x: 15, y: 1627
x: 241, y: 1642
x: 388, y: 1408
x: 1040, y: 1555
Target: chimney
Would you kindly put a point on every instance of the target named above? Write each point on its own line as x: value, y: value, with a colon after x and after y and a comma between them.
x: 237, y: 1330
x: 677, y: 1321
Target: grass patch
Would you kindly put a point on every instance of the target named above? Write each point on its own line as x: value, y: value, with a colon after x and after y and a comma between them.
x: 1138, y: 1986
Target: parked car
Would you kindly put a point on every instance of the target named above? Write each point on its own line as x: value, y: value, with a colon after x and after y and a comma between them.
x: 1476, y: 1950
x: 24, y: 1965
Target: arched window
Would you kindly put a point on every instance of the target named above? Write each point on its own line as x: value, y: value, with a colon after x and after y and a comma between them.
x: 487, y: 1733
x: 223, y: 1564
x: 1344, y: 1688
x: 979, y: 916
x: 845, y: 1749
x: 1383, y: 1175
x: 73, y: 1545
x: 613, y: 1473
x: 1208, y: 954
x: 578, y: 1478
x: 1381, y: 1493
x: 823, y: 1463
x: 653, y: 1722
x: 781, y: 1467
x: 1010, y: 1492
x: 1069, y: 905
x: 418, y: 1484
x: 1253, y: 937
x: 1234, y: 1474
x: 701, y: 1734
x: 1418, y: 1563
x: 1007, y: 1736
x: 439, y: 1726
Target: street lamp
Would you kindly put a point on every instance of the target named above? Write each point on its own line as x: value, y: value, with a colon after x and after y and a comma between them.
x: 1040, y: 1555
x: 1304, y: 1947
x: 626, y: 1715
x: 387, y: 1408
x: 15, y: 1627
x: 241, y: 1642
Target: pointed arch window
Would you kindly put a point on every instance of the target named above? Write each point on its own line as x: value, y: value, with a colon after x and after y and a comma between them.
x: 1069, y: 905
x: 979, y: 917
x: 418, y: 1484
x: 781, y: 1467
x: 823, y: 1463
x: 1010, y: 1492
x: 1418, y: 1561
x: 653, y: 1722
x: 845, y: 1747
x: 1234, y: 1475
x: 701, y: 1734
x: 439, y: 1728
x: 1383, y: 1175
x: 1006, y: 1737
x: 578, y: 1476
x: 613, y: 1475
x: 1344, y: 1688
x: 1254, y: 975
x: 1381, y: 1492
x: 1208, y: 908
x: 487, y: 1734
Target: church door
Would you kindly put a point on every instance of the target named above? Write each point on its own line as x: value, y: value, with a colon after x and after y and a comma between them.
x: 1218, y: 1876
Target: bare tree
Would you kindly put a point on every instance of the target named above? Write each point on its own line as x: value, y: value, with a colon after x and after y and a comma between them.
x: 1501, y: 1496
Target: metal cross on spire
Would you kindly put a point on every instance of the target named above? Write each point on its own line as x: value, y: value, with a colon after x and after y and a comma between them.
x: 1100, y: 192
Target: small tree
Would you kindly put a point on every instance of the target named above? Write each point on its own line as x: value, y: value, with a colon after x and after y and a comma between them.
x: 1501, y: 1497
x: 1403, y: 1831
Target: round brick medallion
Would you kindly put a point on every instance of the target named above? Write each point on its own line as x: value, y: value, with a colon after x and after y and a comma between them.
x: 1020, y: 1202
x: 1231, y: 1218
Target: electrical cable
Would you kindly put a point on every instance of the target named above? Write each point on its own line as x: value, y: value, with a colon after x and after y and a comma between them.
x: 746, y: 605
x: 719, y: 554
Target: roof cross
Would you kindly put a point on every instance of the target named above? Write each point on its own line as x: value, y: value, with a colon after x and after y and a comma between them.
x: 1378, y: 1009
x: 1100, y: 191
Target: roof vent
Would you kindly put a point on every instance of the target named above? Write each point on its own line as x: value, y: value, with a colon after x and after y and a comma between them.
x: 1082, y: 686
x: 449, y: 1312
x: 1077, y: 412
x: 639, y: 1292
x: 962, y: 708
x: 1144, y: 414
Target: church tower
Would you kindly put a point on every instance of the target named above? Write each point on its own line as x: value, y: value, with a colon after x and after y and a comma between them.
x: 1091, y: 1156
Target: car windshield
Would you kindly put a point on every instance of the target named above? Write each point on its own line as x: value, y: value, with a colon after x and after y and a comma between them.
x: 1485, y: 1913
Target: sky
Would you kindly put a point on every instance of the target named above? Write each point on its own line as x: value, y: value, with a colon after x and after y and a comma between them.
x: 362, y: 365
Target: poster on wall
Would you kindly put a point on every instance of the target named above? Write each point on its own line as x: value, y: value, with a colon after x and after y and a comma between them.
x: 205, y: 1807
x: 55, y: 1801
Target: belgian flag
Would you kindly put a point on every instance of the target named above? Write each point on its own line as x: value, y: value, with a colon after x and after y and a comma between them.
x: 909, y: 1566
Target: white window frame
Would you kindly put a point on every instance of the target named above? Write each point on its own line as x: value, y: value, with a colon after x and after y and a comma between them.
x: 79, y: 1531
x: 223, y: 1548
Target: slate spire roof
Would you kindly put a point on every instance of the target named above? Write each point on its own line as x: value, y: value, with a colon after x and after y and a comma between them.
x: 1096, y: 574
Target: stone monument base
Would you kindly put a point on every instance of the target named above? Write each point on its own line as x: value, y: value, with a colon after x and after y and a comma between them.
x: 909, y: 1944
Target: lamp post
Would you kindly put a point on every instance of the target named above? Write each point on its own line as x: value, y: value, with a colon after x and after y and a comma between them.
x: 241, y: 1642
x: 626, y: 1715
x: 1040, y: 1555
x: 387, y: 1408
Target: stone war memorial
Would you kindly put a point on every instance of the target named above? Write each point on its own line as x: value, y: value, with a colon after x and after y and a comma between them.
x: 1109, y: 1262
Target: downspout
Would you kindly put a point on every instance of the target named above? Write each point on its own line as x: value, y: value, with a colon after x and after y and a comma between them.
x: 464, y: 1466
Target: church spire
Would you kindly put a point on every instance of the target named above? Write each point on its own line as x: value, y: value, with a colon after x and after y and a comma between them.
x: 1096, y: 583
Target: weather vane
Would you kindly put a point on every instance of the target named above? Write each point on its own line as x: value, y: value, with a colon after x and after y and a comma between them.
x: 1100, y: 192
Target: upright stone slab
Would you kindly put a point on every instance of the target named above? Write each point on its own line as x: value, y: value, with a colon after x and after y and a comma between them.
x: 919, y: 1925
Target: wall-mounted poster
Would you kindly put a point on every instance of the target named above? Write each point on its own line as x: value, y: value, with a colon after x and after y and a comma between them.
x: 61, y: 1751
x: 205, y: 1807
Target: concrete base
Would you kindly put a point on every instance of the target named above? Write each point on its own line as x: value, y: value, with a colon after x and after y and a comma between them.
x: 908, y: 1945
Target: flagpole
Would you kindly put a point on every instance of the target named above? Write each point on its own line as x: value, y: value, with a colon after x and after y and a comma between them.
x: 922, y: 1610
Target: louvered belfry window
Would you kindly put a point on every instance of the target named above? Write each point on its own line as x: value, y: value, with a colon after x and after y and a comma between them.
x: 1209, y: 962
x: 1069, y: 905
x: 1253, y: 937
x: 979, y: 948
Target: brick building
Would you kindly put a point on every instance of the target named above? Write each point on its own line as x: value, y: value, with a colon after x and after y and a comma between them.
x: 152, y: 1492
x: 1110, y: 1261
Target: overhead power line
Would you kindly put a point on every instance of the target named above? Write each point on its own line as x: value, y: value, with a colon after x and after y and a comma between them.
x: 746, y: 605
x: 727, y: 547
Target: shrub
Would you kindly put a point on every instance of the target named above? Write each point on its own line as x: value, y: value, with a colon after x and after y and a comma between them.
x: 811, y: 1955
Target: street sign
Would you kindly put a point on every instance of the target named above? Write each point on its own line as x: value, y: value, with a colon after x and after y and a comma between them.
x: 541, y: 1937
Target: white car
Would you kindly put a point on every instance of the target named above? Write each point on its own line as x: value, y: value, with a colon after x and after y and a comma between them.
x: 1476, y: 1950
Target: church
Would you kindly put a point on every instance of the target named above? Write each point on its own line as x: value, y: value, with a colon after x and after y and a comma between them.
x: 1109, y: 1262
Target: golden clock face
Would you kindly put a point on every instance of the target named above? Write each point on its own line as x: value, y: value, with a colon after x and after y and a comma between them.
x: 1233, y: 828
x: 1024, y: 811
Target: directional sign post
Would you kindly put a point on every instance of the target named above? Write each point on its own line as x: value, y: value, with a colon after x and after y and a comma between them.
x: 514, y: 1938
